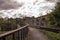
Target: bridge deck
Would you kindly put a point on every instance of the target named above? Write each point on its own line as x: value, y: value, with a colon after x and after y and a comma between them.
x: 37, y: 35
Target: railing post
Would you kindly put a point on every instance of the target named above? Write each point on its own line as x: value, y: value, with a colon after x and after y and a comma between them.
x: 13, y: 36
x: 22, y: 34
x: 18, y: 35
x: 4, y: 38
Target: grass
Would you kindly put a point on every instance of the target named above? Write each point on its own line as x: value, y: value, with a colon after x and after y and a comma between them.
x: 52, y: 35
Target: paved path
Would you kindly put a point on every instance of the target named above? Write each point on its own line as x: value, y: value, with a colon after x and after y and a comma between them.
x: 37, y: 35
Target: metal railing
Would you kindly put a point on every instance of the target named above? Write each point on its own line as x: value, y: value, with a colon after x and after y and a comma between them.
x: 17, y: 34
x: 50, y: 29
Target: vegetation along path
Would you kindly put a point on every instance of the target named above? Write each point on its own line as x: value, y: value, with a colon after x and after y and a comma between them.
x: 35, y: 34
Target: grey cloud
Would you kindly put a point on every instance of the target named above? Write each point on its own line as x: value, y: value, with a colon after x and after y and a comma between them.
x: 8, y: 4
x: 48, y: 7
x: 54, y: 0
x: 35, y: 2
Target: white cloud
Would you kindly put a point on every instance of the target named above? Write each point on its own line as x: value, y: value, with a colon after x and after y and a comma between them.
x: 32, y: 8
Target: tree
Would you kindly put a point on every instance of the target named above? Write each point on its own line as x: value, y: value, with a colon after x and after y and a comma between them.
x: 53, y: 18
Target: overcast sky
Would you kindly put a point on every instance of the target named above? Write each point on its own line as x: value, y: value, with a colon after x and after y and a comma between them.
x: 8, y: 4
x: 25, y: 7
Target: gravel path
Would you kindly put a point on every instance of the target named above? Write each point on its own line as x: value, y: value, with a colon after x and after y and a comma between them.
x: 37, y: 35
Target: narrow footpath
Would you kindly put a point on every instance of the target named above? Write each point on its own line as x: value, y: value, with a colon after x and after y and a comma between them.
x: 36, y: 34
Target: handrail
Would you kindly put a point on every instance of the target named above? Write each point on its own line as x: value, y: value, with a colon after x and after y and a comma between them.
x: 13, y: 31
x: 50, y: 29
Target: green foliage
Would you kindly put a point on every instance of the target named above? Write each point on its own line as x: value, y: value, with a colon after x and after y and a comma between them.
x: 10, y: 24
x: 7, y: 26
x: 52, y: 35
x: 53, y: 18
